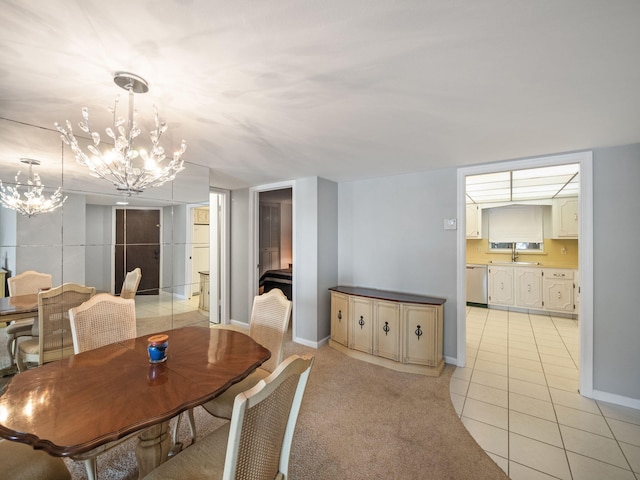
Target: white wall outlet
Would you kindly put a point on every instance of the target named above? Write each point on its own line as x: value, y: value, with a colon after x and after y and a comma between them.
x: 450, y: 224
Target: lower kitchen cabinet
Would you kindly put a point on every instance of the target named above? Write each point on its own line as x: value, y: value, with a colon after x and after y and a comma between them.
x: 396, y: 330
x: 533, y: 288
x: 501, y: 285
x: 558, y: 290
x: 528, y: 287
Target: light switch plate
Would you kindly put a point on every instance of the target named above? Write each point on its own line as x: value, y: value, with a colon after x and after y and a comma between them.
x: 450, y: 224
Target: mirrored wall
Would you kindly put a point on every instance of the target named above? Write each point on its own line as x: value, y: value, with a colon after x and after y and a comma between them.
x: 98, y: 234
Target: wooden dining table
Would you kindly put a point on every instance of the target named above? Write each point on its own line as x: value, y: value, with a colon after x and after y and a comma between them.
x: 74, y: 406
x: 18, y: 307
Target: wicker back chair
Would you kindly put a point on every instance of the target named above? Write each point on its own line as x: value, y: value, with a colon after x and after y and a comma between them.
x: 102, y: 320
x: 54, y: 341
x: 25, y: 283
x: 131, y: 283
x: 269, y: 323
x: 256, y: 444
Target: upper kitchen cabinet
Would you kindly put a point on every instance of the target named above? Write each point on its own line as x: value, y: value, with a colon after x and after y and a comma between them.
x: 564, y: 215
x: 474, y: 221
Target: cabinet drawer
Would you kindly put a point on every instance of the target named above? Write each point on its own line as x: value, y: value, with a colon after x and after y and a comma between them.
x: 558, y: 273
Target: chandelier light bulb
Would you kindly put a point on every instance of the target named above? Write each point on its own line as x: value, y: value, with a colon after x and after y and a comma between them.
x: 129, y: 168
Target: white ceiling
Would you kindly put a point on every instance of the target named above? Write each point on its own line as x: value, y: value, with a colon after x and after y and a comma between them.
x: 342, y: 89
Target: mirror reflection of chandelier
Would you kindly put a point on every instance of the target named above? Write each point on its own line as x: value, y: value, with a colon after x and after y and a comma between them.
x: 130, y: 168
x: 34, y: 202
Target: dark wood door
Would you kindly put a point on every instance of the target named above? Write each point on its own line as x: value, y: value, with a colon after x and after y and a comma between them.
x: 138, y: 245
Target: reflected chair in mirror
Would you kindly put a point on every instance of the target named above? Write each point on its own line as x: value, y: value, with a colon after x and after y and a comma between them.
x: 26, y: 283
x: 23, y: 462
x: 101, y: 320
x: 131, y: 283
x: 269, y: 323
x: 256, y: 444
x: 54, y: 340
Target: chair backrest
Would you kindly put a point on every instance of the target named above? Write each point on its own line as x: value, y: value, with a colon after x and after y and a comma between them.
x: 102, y: 320
x: 55, y: 336
x: 269, y: 322
x: 28, y: 282
x: 263, y: 421
x: 131, y: 282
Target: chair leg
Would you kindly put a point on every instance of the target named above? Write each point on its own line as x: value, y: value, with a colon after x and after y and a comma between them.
x: 91, y: 466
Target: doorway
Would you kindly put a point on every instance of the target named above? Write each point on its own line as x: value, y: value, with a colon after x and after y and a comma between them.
x: 137, y: 244
x: 282, y: 193
x: 585, y: 260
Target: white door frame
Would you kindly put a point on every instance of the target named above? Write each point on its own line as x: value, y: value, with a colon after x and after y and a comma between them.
x: 254, y: 242
x: 219, y: 242
x: 585, y: 253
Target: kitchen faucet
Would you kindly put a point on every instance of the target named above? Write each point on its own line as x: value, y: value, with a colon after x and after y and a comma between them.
x: 514, y: 255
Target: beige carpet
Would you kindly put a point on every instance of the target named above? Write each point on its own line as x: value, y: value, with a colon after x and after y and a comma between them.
x: 358, y: 421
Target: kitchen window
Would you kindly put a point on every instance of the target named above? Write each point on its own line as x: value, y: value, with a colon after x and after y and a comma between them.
x: 521, y: 225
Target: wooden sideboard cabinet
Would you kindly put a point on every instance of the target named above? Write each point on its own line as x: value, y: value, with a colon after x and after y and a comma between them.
x: 396, y: 330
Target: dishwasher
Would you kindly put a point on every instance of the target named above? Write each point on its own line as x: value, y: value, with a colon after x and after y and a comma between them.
x: 477, y: 285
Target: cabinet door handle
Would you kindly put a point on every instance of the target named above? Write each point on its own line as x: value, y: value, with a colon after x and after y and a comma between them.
x: 558, y: 274
x: 559, y: 296
x: 575, y: 216
x: 386, y: 328
x: 361, y: 322
x: 529, y: 288
x: 418, y: 332
x: 501, y: 285
x: 340, y: 315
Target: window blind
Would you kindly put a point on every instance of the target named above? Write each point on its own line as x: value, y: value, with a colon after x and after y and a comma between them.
x: 516, y: 223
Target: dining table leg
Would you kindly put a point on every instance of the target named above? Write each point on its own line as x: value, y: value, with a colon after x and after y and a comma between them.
x: 153, y: 448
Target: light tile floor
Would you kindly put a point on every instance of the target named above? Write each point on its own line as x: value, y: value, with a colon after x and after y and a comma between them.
x: 518, y: 397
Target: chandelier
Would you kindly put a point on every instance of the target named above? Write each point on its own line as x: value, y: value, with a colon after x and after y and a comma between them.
x: 33, y: 202
x: 128, y: 167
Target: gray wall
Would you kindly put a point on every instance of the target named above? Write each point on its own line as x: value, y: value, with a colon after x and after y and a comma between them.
x: 616, y: 265
x: 392, y: 237
x: 239, y: 253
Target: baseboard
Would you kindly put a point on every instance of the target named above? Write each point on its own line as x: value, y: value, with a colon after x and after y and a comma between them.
x: 616, y: 399
x: 309, y: 343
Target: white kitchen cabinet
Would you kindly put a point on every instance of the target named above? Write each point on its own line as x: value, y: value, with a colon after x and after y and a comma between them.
x: 474, y: 221
x: 564, y: 217
x: 528, y: 287
x: 400, y: 331
x: 558, y: 290
x: 501, y: 285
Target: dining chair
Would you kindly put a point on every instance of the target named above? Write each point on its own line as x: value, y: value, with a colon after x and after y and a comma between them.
x: 101, y: 320
x: 131, y: 283
x: 256, y: 443
x: 25, y: 283
x: 268, y: 326
x: 22, y: 462
x: 54, y: 341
